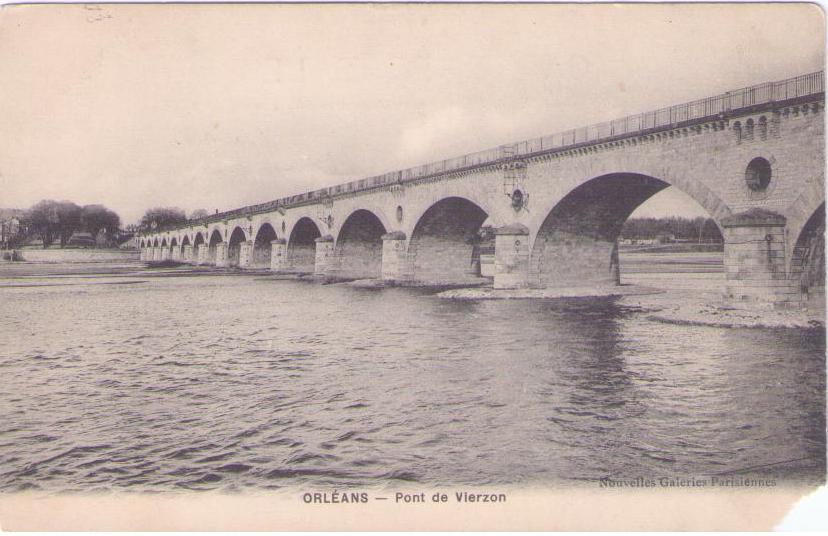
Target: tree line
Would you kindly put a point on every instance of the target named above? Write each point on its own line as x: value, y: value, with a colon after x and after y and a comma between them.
x: 693, y: 229
x: 157, y: 217
x: 58, y: 220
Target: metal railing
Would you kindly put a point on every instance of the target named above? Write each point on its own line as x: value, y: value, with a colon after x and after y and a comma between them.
x: 696, y: 111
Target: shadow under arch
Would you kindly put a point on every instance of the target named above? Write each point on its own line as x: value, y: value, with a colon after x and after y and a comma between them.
x: 261, y: 246
x: 198, y: 243
x: 577, y: 242
x: 234, y: 246
x: 358, y: 248
x: 301, y: 247
x: 444, y: 245
x: 807, y: 267
x: 185, y: 241
x: 215, y: 239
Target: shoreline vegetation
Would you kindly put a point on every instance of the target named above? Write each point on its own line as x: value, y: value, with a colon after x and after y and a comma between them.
x: 668, y: 286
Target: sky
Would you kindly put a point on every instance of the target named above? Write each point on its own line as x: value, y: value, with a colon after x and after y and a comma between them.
x: 217, y: 106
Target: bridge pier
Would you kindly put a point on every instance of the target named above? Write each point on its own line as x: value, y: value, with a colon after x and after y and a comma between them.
x: 188, y: 254
x: 246, y: 254
x: 278, y: 255
x: 176, y: 253
x: 754, y: 259
x: 221, y: 255
x: 394, y: 257
x: 202, y: 253
x: 511, y: 257
x: 156, y: 253
x: 566, y: 259
x: 324, y: 255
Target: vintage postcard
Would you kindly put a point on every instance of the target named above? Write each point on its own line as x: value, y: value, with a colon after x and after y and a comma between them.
x: 411, y: 266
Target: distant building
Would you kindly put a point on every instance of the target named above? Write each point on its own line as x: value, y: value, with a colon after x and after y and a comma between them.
x: 82, y: 240
x: 9, y: 229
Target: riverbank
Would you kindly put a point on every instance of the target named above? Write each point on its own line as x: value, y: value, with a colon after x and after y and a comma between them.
x: 690, y: 295
x: 716, y: 314
x: 547, y: 293
x: 54, y: 255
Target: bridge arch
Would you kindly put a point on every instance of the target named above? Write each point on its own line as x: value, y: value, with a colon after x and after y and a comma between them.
x: 807, y: 267
x: 358, y: 246
x: 186, y: 240
x: 301, y: 246
x: 198, y: 242
x: 265, y: 234
x: 234, y: 245
x: 576, y: 244
x: 215, y: 240
x: 444, y: 245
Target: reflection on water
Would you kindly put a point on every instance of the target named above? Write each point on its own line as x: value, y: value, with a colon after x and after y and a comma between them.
x: 238, y: 382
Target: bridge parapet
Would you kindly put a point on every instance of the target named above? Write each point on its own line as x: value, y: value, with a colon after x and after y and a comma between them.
x: 722, y: 106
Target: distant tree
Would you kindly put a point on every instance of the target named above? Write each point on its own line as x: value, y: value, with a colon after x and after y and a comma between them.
x: 700, y: 229
x: 198, y: 214
x: 97, y: 218
x: 161, y: 216
x: 69, y: 220
x: 42, y: 220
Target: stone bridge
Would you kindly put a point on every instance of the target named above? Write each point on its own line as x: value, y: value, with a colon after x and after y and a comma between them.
x: 554, y: 206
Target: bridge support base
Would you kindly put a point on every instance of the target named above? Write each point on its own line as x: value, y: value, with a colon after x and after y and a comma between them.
x: 201, y: 253
x: 187, y: 254
x: 511, y: 257
x: 278, y: 255
x: 394, y: 256
x: 754, y: 259
x: 221, y: 255
x: 324, y: 255
x: 246, y: 254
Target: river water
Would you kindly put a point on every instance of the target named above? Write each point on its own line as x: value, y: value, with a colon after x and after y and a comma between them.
x: 244, y: 382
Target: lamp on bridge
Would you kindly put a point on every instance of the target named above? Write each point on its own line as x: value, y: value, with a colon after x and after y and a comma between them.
x: 514, y: 174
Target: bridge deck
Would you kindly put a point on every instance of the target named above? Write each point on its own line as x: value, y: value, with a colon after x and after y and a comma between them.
x: 698, y: 111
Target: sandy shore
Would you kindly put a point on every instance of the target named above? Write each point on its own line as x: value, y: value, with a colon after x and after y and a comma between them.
x: 699, y: 307
x: 690, y: 300
x: 719, y: 315
x: 547, y: 293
